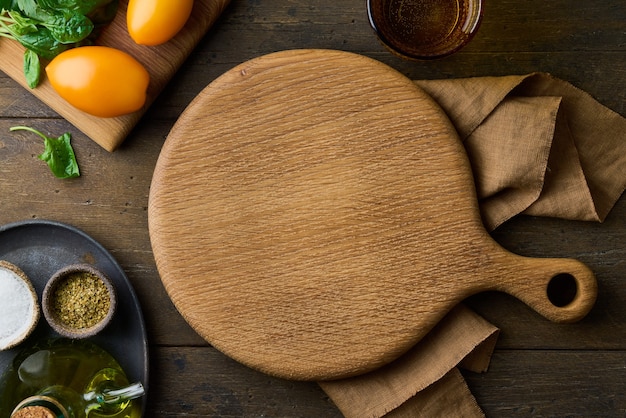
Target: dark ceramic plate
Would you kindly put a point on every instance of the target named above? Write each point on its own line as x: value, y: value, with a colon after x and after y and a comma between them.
x: 40, y: 248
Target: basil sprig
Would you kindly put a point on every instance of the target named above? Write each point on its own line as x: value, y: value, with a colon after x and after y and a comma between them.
x: 58, y: 153
x: 48, y: 27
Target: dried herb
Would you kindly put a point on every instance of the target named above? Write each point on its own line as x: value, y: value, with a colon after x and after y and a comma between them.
x: 81, y: 300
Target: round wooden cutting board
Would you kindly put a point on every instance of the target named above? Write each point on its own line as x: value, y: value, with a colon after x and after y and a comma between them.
x: 313, y: 216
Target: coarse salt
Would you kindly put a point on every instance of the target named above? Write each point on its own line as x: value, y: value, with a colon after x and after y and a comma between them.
x: 18, y: 308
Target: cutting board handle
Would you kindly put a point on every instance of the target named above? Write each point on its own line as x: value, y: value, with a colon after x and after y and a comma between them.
x: 562, y: 290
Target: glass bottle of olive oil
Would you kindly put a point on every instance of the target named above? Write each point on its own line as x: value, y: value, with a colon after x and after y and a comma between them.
x: 62, y: 378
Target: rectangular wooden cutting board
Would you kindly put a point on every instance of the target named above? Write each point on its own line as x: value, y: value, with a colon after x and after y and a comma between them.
x: 161, y: 61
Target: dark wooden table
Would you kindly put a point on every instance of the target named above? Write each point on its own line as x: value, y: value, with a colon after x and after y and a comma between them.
x: 538, y: 369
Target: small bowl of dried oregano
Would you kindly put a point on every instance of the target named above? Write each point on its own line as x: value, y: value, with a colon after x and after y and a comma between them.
x: 78, y: 301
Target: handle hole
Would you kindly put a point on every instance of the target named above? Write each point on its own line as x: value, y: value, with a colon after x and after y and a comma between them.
x: 562, y: 290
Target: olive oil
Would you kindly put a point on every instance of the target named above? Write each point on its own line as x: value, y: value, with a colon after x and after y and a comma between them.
x: 71, y: 378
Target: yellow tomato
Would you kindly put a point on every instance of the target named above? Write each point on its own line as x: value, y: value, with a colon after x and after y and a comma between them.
x: 153, y: 22
x: 99, y: 80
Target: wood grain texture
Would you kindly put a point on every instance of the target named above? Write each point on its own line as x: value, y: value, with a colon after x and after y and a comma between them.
x: 332, y: 212
x: 541, y: 368
x: 162, y: 62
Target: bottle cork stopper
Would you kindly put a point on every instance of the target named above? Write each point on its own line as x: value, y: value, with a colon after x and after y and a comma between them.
x: 34, y: 412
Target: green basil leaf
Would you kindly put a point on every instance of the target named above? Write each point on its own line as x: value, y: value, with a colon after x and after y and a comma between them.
x: 59, y: 4
x: 42, y: 43
x: 104, y: 13
x: 69, y: 27
x: 31, y: 9
x: 27, y: 6
x: 22, y: 24
x: 84, y: 7
x: 32, y: 68
x: 19, y: 25
x: 8, y: 5
x: 58, y: 153
x: 60, y: 156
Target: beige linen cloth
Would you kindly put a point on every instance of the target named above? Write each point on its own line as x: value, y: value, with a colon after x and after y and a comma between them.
x: 538, y: 146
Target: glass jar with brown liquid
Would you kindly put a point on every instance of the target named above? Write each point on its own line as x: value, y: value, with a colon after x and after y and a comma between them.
x: 424, y: 29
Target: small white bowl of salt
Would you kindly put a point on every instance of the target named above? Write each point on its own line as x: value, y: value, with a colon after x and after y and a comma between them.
x: 19, y: 306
